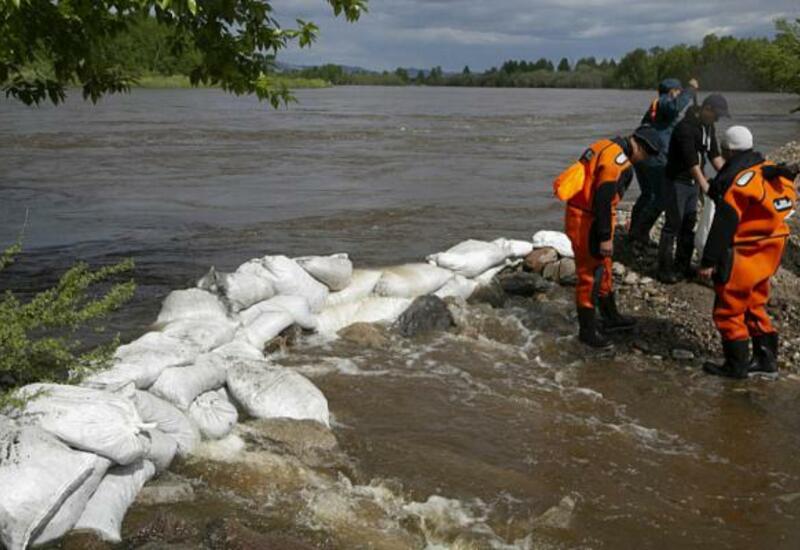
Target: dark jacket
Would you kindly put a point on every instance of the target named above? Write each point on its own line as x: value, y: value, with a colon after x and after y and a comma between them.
x: 692, y: 144
x: 665, y: 117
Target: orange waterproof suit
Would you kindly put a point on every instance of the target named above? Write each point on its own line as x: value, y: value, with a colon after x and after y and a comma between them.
x: 746, y: 242
x: 591, y: 216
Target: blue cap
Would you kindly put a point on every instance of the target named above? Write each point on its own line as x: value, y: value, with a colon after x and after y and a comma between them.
x: 718, y: 104
x: 669, y: 84
x: 650, y: 138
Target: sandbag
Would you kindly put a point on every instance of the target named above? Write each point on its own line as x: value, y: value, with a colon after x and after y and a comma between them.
x: 214, y: 414
x: 192, y: 303
x: 289, y: 279
x: 161, y: 449
x: 205, y: 335
x: 470, y: 258
x: 704, y: 227
x: 265, y: 327
x: 333, y: 271
x: 265, y: 391
x: 167, y: 419
x: 412, y: 280
x: 106, y: 509
x: 374, y: 309
x: 515, y: 248
x: 487, y: 276
x: 142, y: 361
x: 296, y: 306
x: 248, y: 285
x: 362, y: 283
x: 181, y: 385
x: 210, y: 281
x: 554, y: 239
x: 457, y: 287
x: 38, y: 474
x: 90, y: 420
x: 238, y: 349
x: 71, y: 509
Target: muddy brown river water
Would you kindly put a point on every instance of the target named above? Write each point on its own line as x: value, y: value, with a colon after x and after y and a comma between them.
x: 462, y: 439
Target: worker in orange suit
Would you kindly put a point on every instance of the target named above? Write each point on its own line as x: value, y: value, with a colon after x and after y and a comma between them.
x: 590, y: 221
x: 754, y: 198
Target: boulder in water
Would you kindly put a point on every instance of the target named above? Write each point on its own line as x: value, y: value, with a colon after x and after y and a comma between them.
x: 523, y: 284
x: 426, y: 314
x: 492, y: 294
x: 368, y: 335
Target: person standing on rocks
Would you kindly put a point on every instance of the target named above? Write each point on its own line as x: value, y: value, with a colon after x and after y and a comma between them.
x: 754, y: 198
x: 663, y: 114
x: 602, y: 176
x: 693, y: 142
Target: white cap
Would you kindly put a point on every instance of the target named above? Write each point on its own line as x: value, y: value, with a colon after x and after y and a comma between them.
x: 737, y: 138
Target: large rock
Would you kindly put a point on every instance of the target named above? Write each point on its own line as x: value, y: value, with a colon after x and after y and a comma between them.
x: 523, y: 283
x: 538, y: 259
x: 492, y: 294
x: 166, y: 491
x: 567, y: 272
x: 426, y: 314
x: 367, y: 335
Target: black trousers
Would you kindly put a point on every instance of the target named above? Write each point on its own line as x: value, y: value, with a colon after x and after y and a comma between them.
x: 681, y: 209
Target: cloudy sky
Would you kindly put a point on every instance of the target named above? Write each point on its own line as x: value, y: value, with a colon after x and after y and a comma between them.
x: 483, y: 33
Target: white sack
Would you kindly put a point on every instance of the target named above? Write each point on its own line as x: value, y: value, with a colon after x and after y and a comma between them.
x: 210, y: 281
x: 192, y: 303
x: 181, y: 385
x: 296, y: 306
x: 470, y: 258
x: 412, y: 280
x: 70, y: 511
x: 37, y: 474
x: 554, y: 239
x: 374, y: 309
x: 333, y: 271
x: 361, y: 285
x: 97, y: 421
x: 110, y: 502
x: 704, y: 227
x: 238, y: 349
x: 289, y: 279
x: 486, y: 277
x: 265, y: 327
x: 205, y: 335
x: 248, y: 285
x: 167, y: 419
x: 515, y: 248
x: 214, y: 414
x: 458, y: 287
x: 268, y: 392
x: 161, y: 449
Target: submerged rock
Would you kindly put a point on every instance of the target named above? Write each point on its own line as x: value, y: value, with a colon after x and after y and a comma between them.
x: 524, y: 284
x: 367, y: 335
x: 167, y: 491
x: 557, y: 517
x: 309, y: 441
x: 426, y: 314
x: 492, y: 294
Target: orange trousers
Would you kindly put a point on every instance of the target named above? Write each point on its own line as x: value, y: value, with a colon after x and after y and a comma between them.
x: 593, y: 272
x: 740, y: 308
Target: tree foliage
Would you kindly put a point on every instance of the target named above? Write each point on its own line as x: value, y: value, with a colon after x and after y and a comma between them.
x: 48, y: 45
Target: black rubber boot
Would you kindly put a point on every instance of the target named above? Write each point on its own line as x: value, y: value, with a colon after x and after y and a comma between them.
x: 588, y: 330
x: 666, y: 263
x: 610, y: 317
x: 737, y: 360
x: 765, y: 354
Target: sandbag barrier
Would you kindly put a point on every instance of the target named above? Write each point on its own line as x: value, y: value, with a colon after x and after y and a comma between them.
x: 75, y: 457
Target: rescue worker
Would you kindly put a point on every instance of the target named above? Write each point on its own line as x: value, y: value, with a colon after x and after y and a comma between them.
x: 693, y: 142
x: 590, y: 222
x: 663, y: 114
x: 754, y: 198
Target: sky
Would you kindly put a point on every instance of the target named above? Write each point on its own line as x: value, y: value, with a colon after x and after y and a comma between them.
x: 484, y: 33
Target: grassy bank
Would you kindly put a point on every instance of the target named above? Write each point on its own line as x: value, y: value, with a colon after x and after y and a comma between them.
x: 182, y: 81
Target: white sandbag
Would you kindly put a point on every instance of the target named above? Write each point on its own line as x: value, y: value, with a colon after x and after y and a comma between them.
x: 181, y: 385
x: 554, y: 239
x: 362, y: 283
x: 333, y: 271
x: 97, y: 421
x: 470, y: 258
x: 374, y: 309
x: 486, y: 277
x: 142, y: 361
x: 161, y: 449
x: 192, y: 303
x: 210, y: 281
x: 289, y: 279
x: 265, y: 391
x: 167, y: 419
x: 214, y: 414
x: 296, y: 306
x: 238, y: 349
x: 265, y: 327
x: 205, y: 335
x: 515, y: 248
x: 335, y: 318
x: 248, y: 285
x: 704, y: 227
x: 106, y: 509
x: 412, y: 280
x: 38, y: 474
x: 458, y: 287
x: 70, y: 511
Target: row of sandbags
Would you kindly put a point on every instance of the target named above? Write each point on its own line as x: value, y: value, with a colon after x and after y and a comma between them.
x: 191, y: 377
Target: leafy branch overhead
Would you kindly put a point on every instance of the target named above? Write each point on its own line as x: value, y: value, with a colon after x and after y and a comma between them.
x: 48, y: 45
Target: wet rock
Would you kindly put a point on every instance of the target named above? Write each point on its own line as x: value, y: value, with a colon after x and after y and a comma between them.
x: 550, y: 272
x: 426, y: 314
x: 365, y: 334
x: 80, y: 540
x: 492, y: 294
x: 163, y: 526
x: 284, y: 340
x: 538, y: 259
x: 311, y: 442
x: 567, y: 272
x: 557, y: 517
x: 168, y: 491
x: 682, y: 354
x: 523, y: 283
x: 230, y: 534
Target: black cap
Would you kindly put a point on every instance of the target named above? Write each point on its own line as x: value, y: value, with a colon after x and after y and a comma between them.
x: 718, y: 104
x: 649, y: 138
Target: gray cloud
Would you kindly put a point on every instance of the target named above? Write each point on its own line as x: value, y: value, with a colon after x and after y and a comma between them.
x: 483, y: 33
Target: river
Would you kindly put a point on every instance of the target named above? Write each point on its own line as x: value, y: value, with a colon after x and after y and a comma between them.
x: 502, y: 421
